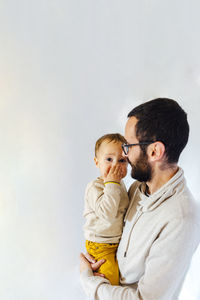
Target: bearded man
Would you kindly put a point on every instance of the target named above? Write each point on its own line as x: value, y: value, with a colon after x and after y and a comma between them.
x: 161, y: 230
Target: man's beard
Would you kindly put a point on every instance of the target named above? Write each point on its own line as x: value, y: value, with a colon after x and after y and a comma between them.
x: 141, y: 169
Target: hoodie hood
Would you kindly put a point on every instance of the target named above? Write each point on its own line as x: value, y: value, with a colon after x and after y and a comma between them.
x: 150, y: 202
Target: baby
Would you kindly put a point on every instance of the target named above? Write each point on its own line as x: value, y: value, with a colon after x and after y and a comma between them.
x: 106, y: 201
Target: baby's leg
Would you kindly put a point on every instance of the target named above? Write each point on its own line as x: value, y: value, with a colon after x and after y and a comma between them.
x: 108, y: 252
x: 110, y: 268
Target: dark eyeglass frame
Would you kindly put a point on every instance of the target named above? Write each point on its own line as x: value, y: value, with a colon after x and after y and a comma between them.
x: 125, y: 147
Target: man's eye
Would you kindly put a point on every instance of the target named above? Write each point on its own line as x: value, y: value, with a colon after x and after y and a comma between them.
x: 109, y: 159
x: 123, y: 160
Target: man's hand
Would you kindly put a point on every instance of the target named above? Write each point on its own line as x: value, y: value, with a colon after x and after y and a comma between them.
x: 87, y: 262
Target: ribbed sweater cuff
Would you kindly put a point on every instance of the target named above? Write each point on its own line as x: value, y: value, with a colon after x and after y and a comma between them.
x: 115, y: 182
x: 90, y: 283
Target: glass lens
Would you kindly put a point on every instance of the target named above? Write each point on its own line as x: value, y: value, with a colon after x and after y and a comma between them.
x: 125, y: 148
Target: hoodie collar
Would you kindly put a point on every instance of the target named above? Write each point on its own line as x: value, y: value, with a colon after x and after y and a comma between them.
x: 150, y: 202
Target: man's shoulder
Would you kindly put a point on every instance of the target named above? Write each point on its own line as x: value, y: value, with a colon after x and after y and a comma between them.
x: 181, y: 205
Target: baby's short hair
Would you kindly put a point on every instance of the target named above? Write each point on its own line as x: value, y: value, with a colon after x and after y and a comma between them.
x: 111, y: 137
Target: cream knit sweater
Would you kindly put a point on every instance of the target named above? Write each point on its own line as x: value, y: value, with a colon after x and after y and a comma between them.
x: 160, y: 236
x: 105, y: 206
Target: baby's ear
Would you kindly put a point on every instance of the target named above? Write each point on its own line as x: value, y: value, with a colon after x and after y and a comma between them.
x: 96, y: 161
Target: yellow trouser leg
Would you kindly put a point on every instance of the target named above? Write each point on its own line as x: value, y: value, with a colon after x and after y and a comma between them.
x: 108, y: 252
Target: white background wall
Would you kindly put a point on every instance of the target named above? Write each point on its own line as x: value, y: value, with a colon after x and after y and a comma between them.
x: 70, y: 71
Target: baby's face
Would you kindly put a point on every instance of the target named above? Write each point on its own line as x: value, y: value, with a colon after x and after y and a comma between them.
x: 110, y: 154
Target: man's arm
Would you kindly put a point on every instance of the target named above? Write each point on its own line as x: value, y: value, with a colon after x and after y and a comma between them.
x: 165, y: 267
x: 100, y: 288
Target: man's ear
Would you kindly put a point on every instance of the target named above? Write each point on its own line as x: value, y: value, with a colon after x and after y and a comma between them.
x: 156, y: 151
x: 96, y: 161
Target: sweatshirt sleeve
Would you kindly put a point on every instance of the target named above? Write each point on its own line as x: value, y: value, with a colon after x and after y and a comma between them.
x: 104, y: 200
x: 99, y: 288
x: 165, y: 267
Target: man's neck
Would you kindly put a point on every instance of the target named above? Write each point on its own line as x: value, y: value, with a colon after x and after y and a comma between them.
x: 160, y: 177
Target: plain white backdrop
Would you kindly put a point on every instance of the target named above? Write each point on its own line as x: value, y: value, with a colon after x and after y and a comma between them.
x: 71, y: 71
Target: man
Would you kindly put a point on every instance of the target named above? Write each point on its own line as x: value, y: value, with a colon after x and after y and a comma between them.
x: 161, y: 229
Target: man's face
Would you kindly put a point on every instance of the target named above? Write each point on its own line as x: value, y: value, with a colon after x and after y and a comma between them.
x: 141, y: 168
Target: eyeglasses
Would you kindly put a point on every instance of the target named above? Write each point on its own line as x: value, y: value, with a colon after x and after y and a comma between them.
x: 125, y: 147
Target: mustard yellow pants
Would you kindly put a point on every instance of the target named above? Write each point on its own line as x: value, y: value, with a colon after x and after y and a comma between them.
x: 108, y: 252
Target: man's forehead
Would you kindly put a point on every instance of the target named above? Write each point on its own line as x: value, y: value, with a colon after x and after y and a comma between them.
x: 130, y: 128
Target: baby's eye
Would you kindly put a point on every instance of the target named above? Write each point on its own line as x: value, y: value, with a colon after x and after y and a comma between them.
x: 122, y: 160
x: 109, y: 159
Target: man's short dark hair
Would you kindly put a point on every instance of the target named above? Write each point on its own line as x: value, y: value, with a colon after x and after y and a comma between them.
x: 162, y: 119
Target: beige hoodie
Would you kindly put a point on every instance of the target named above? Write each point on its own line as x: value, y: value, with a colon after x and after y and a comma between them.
x: 160, y: 236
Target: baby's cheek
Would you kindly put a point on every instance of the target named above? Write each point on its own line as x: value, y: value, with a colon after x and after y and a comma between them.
x: 124, y: 169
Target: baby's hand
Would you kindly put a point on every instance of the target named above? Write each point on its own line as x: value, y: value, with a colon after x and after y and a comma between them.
x: 115, y: 173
